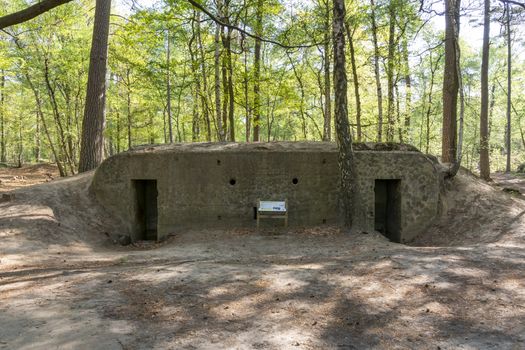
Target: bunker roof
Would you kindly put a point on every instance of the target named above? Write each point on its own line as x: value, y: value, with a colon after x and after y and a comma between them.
x: 287, y: 146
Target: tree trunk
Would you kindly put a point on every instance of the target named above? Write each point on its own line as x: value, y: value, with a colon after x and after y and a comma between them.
x: 327, y: 126
x: 61, y: 170
x: 484, y: 164
x: 231, y: 106
x: 450, y: 83
x: 344, y: 138
x: 92, y: 144
x: 195, y: 125
x: 257, y: 74
x: 248, y: 117
x: 204, y: 76
x: 38, y: 148
x: 356, y: 84
x: 128, y: 108
x: 390, y: 73
x: 168, y: 86
x: 225, y: 90
x: 217, y: 71
x: 509, y: 88
x: 408, y: 94
x: 433, y: 68
x: 377, y: 76
x: 3, y: 151
x: 459, y: 152
x: 56, y: 115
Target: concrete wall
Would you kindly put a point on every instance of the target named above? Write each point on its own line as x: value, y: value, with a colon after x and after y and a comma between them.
x: 195, y: 190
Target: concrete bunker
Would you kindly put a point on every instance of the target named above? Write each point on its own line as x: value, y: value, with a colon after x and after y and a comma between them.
x: 160, y: 190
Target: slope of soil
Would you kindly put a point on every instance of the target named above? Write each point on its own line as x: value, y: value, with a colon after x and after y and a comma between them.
x: 64, y: 285
x: 474, y: 212
x: 12, y: 178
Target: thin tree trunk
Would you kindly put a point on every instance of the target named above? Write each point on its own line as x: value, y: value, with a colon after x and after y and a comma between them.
x: 433, y: 68
x: 356, y: 83
x: 168, y: 86
x: 257, y: 73
x: 231, y: 106
x: 128, y: 108
x: 61, y: 170
x: 327, y: 126
x: 56, y: 114
x: 3, y: 150
x: 37, y: 140
x: 377, y: 76
x: 92, y: 144
x: 225, y: 90
x: 408, y: 94
x: 509, y: 90
x: 344, y: 138
x: 204, y: 76
x: 301, y: 89
x: 217, y: 65
x: 248, y: 119
x: 484, y: 163
x: 195, y: 129
x: 390, y: 73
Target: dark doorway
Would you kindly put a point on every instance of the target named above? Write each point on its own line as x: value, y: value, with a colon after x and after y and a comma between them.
x: 147, y: 213
x: 388, y: 208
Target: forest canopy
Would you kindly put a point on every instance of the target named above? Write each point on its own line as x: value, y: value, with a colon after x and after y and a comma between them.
x: 253, y: 70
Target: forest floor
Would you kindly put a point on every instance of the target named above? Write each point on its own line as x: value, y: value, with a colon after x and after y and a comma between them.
x: 64, y: 284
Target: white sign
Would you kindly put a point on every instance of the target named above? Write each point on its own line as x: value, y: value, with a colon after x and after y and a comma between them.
x: 272, y: 206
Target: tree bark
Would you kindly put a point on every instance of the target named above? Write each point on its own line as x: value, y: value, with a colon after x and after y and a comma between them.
x: 377, y: 76
x: 484, y: 163
x: 450, y: 83
x: 92, y: 144
x: 30, y: 12
x: 344, y: 138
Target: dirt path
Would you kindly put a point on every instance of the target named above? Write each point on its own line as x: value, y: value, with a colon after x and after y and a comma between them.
x: 67, y: 287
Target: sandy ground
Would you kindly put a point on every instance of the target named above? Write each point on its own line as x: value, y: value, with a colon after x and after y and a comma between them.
x: 65, y: 285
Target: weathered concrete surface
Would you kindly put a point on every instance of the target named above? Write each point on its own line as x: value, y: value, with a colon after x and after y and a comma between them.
x: 195, y: 188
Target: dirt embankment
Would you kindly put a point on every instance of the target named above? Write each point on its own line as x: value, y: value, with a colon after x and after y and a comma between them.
x: 474, y: 212
x: 12, y: 178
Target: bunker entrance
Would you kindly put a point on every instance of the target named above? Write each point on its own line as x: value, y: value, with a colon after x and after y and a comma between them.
x: 388, y: 208
x: 146, y: 209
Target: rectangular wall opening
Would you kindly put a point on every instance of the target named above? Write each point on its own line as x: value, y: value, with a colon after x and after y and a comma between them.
x: 146, y: 209
x: 388, y: 208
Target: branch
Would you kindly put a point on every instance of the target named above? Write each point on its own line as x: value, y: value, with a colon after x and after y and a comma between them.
x: 30, y: 12
x: 240, y: 30
x: 512, y: 2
